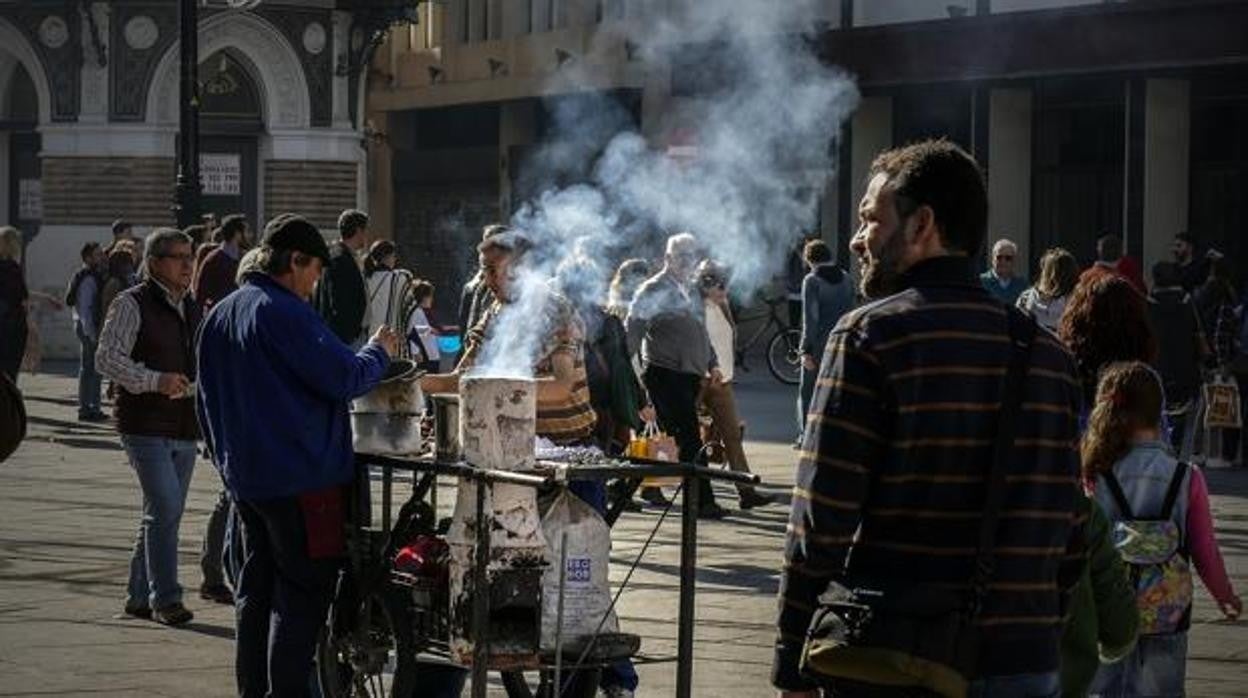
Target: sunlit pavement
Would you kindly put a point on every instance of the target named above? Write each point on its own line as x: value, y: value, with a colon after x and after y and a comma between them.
x: 69, y: 509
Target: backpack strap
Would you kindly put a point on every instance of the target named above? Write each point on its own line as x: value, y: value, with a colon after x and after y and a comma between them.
x: 1172, y: 492
x: 1120, y: 497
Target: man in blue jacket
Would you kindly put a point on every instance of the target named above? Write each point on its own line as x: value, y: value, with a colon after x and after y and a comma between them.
x: 274, y: 387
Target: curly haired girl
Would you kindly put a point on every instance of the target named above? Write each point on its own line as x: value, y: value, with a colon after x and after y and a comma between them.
x: 1133, y: 474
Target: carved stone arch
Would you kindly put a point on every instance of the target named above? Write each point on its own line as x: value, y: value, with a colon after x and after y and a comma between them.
x: 13, y: 42
x: 282, y: 82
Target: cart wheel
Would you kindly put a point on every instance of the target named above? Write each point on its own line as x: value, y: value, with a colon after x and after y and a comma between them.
x: 581, y: 684
x: 375, y: 659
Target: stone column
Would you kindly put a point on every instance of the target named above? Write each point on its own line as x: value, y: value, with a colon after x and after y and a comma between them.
x: 1009, y: 172
x: 872, y: 128
x: 1167, y: 167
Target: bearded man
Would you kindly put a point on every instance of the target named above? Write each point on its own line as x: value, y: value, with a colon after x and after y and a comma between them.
x: 907, y: 409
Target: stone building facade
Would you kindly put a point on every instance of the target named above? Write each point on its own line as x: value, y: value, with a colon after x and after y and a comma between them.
x: 89, y: 103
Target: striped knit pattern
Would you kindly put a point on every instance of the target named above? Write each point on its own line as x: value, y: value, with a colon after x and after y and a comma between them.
x: 891, y: 484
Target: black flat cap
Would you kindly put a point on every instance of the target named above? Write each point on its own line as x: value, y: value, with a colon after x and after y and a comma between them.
x: 293, y: 232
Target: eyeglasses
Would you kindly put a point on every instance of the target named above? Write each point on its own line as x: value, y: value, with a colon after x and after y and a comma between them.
x: 1006, y: 257
x: 180, y: 257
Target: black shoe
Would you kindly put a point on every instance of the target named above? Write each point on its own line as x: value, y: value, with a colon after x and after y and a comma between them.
x: 137, y: 612
x: 633, y: 505
x: 173, y: 615
x: 654, y: 495
x: 217, y: 593
x: 754, y: 498
x: 92, y: 417
x: 712, y: 511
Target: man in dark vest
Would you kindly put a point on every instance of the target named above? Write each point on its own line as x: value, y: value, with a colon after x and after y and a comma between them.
x: 147, y: 348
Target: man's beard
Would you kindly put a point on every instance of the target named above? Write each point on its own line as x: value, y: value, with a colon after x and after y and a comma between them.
x: 881, y: 276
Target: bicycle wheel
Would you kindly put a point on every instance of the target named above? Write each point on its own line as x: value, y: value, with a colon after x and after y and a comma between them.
x: 784, y: 356
x: 374, y: 659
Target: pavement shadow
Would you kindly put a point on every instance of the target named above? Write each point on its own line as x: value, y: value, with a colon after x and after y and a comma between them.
x: 755, y: 578
x: 221, y: 631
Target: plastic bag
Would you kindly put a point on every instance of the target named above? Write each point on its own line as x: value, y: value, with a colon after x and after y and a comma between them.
x: 587, y: 588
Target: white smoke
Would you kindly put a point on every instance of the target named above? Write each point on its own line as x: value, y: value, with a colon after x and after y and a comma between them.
x: 764, y: 127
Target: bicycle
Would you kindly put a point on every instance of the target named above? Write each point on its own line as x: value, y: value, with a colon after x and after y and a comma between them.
x: 784, y: 348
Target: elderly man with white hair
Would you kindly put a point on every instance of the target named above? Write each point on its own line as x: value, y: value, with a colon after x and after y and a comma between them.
x: 665, y: 323
x: 1000, y: 280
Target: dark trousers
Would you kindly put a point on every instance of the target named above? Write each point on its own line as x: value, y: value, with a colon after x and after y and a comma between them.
x: 213, y: 550
x: 281, y: 602
x: 675, y: 398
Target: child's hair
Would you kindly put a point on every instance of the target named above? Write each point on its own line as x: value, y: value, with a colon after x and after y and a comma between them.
x: 1128, y: 398
x: 421, y: 289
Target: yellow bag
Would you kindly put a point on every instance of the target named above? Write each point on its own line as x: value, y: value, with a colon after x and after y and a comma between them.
x: 653, y: 444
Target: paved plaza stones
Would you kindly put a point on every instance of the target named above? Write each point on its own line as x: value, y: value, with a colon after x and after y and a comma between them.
x: 69, y: 509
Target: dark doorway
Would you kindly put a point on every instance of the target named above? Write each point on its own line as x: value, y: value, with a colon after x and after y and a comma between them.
x: 1077, y: 161
x: 25, y: 173
x: 230, y: 123
x: 1218, y: 214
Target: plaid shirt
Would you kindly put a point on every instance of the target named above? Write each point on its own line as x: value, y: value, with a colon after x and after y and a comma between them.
x: 891, y: 483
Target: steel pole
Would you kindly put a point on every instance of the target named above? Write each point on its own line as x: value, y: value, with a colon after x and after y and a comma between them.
x: 688, y: 583
x: 186, y: 186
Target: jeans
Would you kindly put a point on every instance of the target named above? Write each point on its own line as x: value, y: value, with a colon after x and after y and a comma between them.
x: 1048, y: 685
x: 1156, y: 668
x: 675, y: 398
x: 1018, y: 686
x: 282, y: 599
x: 88, y: 377
x: 164, y: 468
x: 211, y: 555
x: 805, y: 395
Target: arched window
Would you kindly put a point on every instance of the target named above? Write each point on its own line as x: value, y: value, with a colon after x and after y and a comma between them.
x: 229, y: 96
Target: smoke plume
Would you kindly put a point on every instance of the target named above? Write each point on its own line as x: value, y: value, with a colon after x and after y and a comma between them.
x: 762, y: 122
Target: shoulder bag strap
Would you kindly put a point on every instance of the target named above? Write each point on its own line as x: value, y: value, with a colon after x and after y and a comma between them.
x: 1022, y: 335
x: 1172, y: 492
x: 1120, y: 497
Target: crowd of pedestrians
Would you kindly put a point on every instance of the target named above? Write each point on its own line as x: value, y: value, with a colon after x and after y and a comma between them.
x: 998, y: 489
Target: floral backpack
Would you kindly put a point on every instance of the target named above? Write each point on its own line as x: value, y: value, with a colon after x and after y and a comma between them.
x: 1156, y: 554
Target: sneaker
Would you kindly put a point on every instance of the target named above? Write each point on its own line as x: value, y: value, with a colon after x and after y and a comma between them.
x: 754, y: 498
x: 137, y: 611
x: 217, y: 593
x: 616, y: 692
x: 712, y: 511
x: 174, y: 614
x: 654, y: 495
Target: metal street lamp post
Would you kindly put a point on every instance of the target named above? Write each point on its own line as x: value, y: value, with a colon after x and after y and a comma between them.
x: 186, y: 189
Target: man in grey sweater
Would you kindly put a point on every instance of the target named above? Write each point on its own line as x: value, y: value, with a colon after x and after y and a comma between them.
x: 665, y: 323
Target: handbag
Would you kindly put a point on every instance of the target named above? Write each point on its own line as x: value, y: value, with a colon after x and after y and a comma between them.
x: 653, y: 444
x: 1221, y: 395
x: 915, y: 635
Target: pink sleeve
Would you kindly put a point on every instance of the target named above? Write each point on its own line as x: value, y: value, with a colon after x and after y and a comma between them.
x: 1201, y: 541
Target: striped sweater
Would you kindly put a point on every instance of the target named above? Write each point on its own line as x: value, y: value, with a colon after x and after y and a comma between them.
x: 891, y: 482
x: 559, y: 330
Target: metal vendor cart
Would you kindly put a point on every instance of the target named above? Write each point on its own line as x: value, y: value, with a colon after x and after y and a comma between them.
x: 355, y: 650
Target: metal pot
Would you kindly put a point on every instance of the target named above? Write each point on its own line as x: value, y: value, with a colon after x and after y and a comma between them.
x: 446, y: 427
x: 386, y: 421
